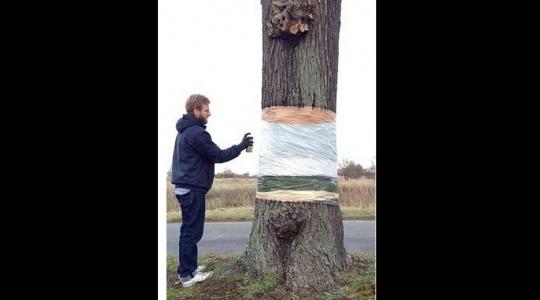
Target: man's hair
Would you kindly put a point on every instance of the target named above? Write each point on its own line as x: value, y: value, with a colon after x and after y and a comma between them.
x: 196, y: 101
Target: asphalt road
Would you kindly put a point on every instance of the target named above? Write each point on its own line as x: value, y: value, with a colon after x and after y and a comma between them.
x: 231, y: 237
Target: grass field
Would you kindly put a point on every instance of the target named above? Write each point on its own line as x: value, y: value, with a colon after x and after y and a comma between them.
x: 357, y: 198
x: 358, y: 282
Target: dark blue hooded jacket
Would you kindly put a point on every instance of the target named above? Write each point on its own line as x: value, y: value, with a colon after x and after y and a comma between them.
x: 195, y: 155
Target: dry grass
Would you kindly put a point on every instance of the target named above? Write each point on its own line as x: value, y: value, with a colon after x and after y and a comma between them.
x: 225, y: 193
x: 240, y: 192
x: 357, y: 193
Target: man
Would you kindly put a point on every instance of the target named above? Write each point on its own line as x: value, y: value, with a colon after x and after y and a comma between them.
x: 192, y: 174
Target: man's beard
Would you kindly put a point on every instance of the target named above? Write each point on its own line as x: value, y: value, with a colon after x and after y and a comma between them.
x: 203, y: 120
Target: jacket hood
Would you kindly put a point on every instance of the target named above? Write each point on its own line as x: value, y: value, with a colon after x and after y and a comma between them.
x: 188, y: 120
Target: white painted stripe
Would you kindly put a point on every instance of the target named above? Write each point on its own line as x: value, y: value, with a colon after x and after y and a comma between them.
x: 269, y: 166
x: 286, y: 140
x: 297, y: 196
x: 297, y: 150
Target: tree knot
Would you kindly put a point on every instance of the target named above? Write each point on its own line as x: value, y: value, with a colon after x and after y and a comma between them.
x: 290, y: 18
x: 287, y: 223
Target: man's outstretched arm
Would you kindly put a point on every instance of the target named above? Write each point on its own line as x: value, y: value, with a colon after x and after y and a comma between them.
x: 208, y: 149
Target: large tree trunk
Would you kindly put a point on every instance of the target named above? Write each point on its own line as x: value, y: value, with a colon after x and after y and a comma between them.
x: 301, y: 242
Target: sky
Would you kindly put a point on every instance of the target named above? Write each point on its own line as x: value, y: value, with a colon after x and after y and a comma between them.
x: 214, y: 48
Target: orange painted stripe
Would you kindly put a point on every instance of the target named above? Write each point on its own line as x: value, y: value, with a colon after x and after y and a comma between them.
x: 297, y: 115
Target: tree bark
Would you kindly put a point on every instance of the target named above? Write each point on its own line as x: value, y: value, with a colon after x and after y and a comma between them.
x: 299, y: 242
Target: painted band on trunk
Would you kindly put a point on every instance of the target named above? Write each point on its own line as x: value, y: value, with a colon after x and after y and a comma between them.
x: 298, y: 150
x: 298, y: 196
x: 298, y: 115
x: 315, y: 183
x: 314, y: 141
x: 298, y: 156
x: 269, y: 166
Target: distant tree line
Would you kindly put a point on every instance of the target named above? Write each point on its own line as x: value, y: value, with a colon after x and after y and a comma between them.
x: 350, y: 170
x: 227, y: 173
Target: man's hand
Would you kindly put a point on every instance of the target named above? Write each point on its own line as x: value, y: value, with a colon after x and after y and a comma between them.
x: 247, y: 140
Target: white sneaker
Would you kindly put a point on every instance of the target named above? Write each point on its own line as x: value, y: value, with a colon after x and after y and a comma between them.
x: 200, y: 276
x: 200, y: 268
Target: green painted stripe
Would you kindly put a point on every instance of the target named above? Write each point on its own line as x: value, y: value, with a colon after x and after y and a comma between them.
x: 297, y: 183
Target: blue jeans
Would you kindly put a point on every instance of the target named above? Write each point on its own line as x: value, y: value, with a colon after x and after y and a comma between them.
x: 193, y: 205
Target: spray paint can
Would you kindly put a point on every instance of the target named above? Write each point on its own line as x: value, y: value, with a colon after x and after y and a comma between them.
x: 250, y: 147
